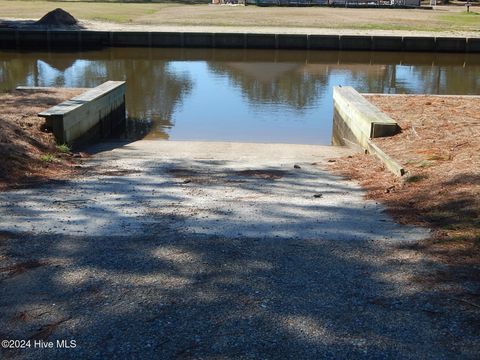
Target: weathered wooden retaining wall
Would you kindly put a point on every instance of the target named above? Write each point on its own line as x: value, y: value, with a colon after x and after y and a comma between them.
x: 356, y: 121
x: 91, y: 115
x: 85, y: 39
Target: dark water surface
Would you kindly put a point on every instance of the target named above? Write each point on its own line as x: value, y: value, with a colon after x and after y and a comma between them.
x: 240, y: 95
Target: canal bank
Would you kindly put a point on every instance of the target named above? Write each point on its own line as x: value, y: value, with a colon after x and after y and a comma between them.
x: 27, y: 39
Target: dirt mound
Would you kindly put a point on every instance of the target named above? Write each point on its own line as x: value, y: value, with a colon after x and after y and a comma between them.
x: 57, y: 17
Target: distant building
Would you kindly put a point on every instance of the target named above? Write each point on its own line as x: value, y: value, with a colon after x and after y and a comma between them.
x: 228, y: 2
x: 348, y: 3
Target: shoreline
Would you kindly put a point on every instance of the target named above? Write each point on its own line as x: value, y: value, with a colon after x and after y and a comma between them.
x: 73, y: 38
x: 92, y: 25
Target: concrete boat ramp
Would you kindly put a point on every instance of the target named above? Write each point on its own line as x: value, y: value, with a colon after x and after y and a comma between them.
x: 215, y: 250
x: 222, y: 189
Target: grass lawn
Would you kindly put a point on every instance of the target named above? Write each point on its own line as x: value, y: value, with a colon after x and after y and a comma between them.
x: 452, y: 18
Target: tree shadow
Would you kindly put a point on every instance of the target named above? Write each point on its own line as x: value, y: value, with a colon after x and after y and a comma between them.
x: 454, y: 216
x: 165, y: 283
x: 181, y: 295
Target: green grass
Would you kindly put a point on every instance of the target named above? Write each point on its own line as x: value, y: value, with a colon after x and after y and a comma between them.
x: 452, y: 21
x: 113, y: 18
x: 64, y: 148
x: 48, y: 158
x: 373, y: 26
x: 463, y: 18
x: 114, y: 12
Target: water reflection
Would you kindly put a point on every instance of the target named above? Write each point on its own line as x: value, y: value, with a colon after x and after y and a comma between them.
x: 240, y: 95
x: 280, y: 83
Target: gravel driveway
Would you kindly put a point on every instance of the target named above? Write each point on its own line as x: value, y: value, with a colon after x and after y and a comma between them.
x: 215, y: 250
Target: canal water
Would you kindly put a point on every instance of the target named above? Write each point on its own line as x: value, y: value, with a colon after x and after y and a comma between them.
x: 240, y: 95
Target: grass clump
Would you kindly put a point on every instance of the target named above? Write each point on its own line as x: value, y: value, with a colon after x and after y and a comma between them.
x: 64, y: 148
x: 48, y: 158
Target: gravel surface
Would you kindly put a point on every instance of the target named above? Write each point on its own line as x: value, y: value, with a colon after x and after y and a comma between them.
x: 215, y: 250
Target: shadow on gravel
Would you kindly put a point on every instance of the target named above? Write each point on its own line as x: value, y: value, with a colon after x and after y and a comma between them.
x: 177, y: 295
x: 175, y: 292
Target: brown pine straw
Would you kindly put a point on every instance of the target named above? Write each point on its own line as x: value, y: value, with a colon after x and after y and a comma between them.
x: 23, y: 140
x: 439, y: 146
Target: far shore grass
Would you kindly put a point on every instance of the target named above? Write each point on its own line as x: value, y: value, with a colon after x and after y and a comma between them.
x: 185, y: 13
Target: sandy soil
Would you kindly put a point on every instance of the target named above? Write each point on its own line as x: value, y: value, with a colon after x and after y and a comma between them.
x: 24, y: 140
x: 439, y: 146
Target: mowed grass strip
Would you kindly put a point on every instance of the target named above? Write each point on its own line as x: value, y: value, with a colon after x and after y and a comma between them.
x: 100, y: 11
x: 186, y: 14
